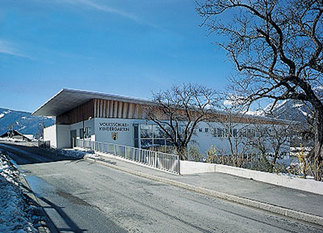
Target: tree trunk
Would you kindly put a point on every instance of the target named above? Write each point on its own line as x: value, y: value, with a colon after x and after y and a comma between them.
x: 318, y: 145
x: 181, y: 150
x: 276, y: 154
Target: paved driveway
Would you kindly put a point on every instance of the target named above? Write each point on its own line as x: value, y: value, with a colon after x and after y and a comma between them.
x: 83, y: 196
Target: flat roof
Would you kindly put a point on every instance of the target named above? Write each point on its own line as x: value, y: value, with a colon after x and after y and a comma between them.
x: 67, y: 99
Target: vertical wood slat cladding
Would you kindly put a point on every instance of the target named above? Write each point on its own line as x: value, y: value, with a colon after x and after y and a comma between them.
x: 120, y: 109
x: 130, y: 110
x: 98, y: 108
x: 117, y: 109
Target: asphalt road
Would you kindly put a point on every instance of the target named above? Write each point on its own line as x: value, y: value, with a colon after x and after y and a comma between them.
x: 82, y: 196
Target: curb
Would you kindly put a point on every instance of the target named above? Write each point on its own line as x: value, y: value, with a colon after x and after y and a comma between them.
x: 228, y: 197
x: 44, y: 228
x: 46, y: 225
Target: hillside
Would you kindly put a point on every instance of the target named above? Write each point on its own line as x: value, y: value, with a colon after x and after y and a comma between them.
x: 24, y: 122
x: 293, y: 109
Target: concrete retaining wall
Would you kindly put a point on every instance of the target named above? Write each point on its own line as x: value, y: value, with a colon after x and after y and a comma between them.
x: 190, y: 167
x: 308, y: 185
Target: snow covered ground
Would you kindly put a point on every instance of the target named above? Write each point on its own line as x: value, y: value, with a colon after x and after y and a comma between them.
x: 76, y: 153
x: 17, y: 215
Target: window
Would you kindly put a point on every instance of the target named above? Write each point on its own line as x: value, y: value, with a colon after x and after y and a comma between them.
x: 146, y: 131
x: 200, y: 130
x: 87, y: 132
x: 151, y: 136
x: 206, y: 130
x: 81, y: 133
x: 235, y: 133
x: 219, y: 132
x: 227, y: 134
x: 214, y: 133
x: 136, y: 135
x: 146, y: 143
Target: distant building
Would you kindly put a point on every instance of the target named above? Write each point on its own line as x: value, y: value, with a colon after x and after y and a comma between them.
x: 122, y: 120
x: 14, y: 134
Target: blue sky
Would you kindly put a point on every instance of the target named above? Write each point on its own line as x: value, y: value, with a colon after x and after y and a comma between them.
x: 128, y: 47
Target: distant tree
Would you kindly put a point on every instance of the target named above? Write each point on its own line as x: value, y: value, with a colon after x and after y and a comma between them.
x: 40, y: 130
x: 270, y: 140
x: 233, y: 122
x: 277, y: 47
x: 178, y: 111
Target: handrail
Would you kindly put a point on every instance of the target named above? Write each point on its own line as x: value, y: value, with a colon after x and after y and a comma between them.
x: 156, y: 159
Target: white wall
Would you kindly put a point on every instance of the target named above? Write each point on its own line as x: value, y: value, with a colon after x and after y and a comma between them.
x: 50, y: 135
x: 58, y: 135
x: 308, y: 185
x: 190, y: 167
x: 63, y: 136
x: 105, y: 128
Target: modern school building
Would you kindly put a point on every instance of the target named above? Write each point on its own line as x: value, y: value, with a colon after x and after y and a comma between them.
x: 122, y: 120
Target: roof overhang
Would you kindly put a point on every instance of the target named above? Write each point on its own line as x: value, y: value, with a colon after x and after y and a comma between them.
x: 67, y: 99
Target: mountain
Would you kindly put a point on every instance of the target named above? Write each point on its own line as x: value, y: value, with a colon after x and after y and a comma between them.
x: 24, y: 122
x: 289, y: 110
x: 293, y: 109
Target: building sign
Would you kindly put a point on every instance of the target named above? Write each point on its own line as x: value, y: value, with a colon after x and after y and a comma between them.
x: 114, y: 126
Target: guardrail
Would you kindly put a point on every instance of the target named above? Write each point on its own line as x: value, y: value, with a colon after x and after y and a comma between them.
x: 159, y: 160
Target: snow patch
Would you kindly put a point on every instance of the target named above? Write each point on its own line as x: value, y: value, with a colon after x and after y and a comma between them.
x: 256, y: 113
x: 278, y: 105
x: 298, y: 105
x: 22, y: 128
x: 1, y: 115
x: 75, y: 153
x: 16, y: 214
x: 304, y: 113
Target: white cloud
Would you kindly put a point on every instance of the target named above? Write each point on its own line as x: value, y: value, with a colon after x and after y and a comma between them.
x: 104, y: 8
x: 10, y: 49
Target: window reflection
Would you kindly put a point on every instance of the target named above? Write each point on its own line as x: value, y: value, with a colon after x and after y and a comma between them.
x: 152, y: 136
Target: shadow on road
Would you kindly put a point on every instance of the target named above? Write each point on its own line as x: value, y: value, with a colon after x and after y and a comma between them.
x: 72, y: 226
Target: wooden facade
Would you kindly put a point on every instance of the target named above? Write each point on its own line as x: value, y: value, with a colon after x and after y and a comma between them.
x: 99, y: 108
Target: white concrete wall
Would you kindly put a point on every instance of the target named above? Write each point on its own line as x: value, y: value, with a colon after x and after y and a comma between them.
x: 308, y: 185
x: 105, y: 128
x: 277, y: 179
x: 50, y: 135
x: 63, y: 136
x: 190, y: 167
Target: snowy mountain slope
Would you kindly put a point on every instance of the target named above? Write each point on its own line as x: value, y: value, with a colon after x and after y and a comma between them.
x: 290, y: 110
x: 293, y: 109
x: 24, y: 122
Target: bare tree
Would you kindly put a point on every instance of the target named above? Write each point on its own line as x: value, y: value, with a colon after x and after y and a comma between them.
x: 178, y: 111
x: 277, y: 47
x: 233, y: 121
x: 279, y: 137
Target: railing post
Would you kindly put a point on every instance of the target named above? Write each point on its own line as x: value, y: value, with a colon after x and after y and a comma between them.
x: 179, y: 165
x: 164, y: 161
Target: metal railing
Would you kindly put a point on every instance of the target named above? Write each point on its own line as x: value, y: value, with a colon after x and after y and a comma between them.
x: 160, y: 160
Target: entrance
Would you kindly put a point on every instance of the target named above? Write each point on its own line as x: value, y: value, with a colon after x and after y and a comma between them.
x: 73, y: 138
